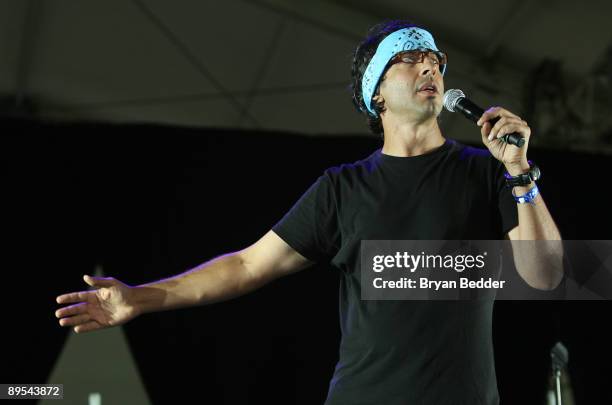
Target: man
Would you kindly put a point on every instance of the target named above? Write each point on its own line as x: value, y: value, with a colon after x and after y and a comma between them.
x: 419, y: 185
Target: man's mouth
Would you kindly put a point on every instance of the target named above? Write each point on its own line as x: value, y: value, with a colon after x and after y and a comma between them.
x: 428, y: 88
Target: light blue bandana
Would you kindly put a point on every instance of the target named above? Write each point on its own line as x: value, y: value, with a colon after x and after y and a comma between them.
x: 406, y: 39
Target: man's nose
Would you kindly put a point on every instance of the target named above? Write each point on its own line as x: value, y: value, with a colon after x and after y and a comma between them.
x: 429, y: 66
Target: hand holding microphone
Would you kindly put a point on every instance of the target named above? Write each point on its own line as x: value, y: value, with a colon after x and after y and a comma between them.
x: 455, y: 100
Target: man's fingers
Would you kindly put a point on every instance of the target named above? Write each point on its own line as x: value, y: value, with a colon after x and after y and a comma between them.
x: 83, y: 295
x: 76, y: 309
x: 519, y: 128
x: 89, y: 326
x: 488, y: 115
x: 485, y: 129
x: 99, y: 281
x: 504, y: 124
x: 75, y: 320
x: 495, y: 112
x: 73, y: 297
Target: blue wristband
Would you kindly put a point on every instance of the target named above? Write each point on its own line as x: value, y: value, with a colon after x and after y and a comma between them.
x: 528, y: 197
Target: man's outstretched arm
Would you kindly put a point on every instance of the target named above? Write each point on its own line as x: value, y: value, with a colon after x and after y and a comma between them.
x: 219, y: 279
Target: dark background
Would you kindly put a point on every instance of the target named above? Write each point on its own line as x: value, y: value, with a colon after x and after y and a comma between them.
x: 147, y: 202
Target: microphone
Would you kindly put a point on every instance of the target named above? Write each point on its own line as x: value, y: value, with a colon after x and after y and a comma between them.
x: 559, y: 357
x: 455, y: 100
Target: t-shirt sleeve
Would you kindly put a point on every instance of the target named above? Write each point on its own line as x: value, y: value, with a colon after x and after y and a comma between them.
x: 311, y: 225
x: 505, y: 200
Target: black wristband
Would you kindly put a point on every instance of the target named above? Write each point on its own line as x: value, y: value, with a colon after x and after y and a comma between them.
x: 524, y: 179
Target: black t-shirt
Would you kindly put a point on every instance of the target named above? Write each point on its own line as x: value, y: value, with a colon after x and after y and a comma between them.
x: 406, y: 352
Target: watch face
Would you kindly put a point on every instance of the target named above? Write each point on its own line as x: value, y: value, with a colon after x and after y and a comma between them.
x: 534, y: 173
x: 525, y: 179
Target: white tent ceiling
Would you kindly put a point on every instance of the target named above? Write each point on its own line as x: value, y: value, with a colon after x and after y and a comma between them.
x: 271, y: 64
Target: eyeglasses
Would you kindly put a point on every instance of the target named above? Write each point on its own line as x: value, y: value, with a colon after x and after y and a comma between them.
x: 418, y: 56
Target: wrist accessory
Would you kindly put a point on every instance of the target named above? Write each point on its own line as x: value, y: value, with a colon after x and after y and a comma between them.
x: 528, y: 197
x: 524, y: 179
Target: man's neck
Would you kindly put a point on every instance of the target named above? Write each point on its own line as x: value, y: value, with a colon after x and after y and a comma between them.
x: 412, y: 139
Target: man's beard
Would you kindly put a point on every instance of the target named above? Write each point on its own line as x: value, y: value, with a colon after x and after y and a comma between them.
x: 430, y: 109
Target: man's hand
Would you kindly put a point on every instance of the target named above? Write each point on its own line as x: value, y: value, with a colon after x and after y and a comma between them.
x: 513, y: 157
x: 109, y: 305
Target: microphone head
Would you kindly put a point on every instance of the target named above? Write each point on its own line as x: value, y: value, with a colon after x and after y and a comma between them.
x: 559, y: 356
x: 451, y: 97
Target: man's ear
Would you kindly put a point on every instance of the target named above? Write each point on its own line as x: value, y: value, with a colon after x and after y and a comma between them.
x: 379, y: 100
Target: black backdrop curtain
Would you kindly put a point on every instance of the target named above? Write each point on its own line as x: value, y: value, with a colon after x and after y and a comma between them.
x: 148, y: 201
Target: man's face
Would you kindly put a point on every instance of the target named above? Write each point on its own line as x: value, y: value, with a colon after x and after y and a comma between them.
x: 413, y: 87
